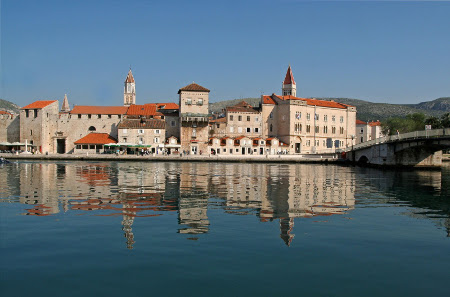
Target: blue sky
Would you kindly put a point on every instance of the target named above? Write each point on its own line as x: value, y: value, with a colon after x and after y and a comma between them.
x: 396, y: 52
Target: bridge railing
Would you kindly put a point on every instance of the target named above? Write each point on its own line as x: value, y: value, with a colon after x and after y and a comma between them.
x: 405, y: 136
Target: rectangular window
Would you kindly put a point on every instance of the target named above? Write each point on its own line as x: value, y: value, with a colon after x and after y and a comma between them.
x: 231, y: 129
x: 248, y: 118
x: 109, y: 116
x: 239, y: 129
x: 231, y: 117
x: 239, y: 118
x: 188, y: 101
x: 308, y: 116
x: 218, y: 151
x: 333, y: 118
x: 316, y: 117
x: 89, y: 116
x: 341, y: 130
x: 27, y: 113
x: 172, y: 123
x: 124, y: 139
x: 157, y: 131
x: 325, y: 129
x: 308, y: 143
x: 256, y: 130
x: 141, y: 140
x: 217, y: 126
x: 308, y: 129
x: 99, y: 116
x: 249, y: 130
x: 85, y: 146
x: 316, y: 129
x: 333, y: 130
x: 78, y: 147
x: 341, y: 119
x: 92, y: 147
x: 79, y: 116
x: 200, y: 102
x: 325, y: 118
x: 124, y: 131
x: 256, y: 119
x: 156, y: 140
x: 141, y: 131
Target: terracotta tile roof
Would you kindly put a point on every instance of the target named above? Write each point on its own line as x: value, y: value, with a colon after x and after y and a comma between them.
x: 144, y: 110
x: 241, y: 107
x: 219, y: 120
x: 359, y: 122
x: 130, y: 78
x: 268, y: 100
x: 142, y: 124
x: 194, y: 88
x: 289, y: 79
x: 373, y: 124
x: 80, y: 109
x: 325, y: 103
x: 96, y: 138
x: 239, y: 138
x: 5, y: 112
x: 169, y: 105
x: 39, y: 104
x: 314, y: 102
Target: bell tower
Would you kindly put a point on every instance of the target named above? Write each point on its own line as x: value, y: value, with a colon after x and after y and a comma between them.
x: 129, y: 94
x: 289, y: 87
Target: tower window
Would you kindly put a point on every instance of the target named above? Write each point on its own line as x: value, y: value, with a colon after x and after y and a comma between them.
x: 92, y: 128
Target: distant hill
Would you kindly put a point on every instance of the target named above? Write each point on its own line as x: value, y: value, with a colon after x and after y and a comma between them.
x: 9, y: 106
x: 366, y: 111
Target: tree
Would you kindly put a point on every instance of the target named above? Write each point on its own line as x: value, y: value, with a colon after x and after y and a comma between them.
x: 445, y: 120
x: 434, y: 122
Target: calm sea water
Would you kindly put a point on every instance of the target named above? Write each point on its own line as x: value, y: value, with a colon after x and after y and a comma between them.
x: 216, y: 229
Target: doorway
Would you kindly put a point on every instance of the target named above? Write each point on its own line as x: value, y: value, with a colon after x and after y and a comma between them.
x: 61, y: 146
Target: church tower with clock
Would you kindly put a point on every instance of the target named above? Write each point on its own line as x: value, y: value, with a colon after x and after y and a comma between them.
x: 129, y: 94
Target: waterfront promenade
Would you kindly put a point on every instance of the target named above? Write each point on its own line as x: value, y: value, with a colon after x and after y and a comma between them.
x: 329, y: 158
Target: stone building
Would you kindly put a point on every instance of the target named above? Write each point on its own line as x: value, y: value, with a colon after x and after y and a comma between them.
x: 9, y: 127
x: 366, y: 131
x: 143, y: 134
x: 38, y: 124
x: 193, y: 118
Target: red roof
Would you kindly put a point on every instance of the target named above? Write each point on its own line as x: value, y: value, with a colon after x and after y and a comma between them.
x: 219, y: 120
x: 194, y: 88
x: 130, y: 78
x: 80, y: 109
x: 241, y: 107
x: 314, y: 102
x: 289, y: 79
x: 169, y: 105
x: 96, y: 138
x: 377, y: 123
x: 143, y: 110
x: 268, y: 100
x: 359, y: 122
x: 39, y: 104
x: 5, y: 112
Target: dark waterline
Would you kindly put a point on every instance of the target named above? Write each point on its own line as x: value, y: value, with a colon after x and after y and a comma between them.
x: 218, y: 229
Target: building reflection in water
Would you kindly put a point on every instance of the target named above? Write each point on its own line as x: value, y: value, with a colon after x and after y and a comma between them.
x: 138, y: 190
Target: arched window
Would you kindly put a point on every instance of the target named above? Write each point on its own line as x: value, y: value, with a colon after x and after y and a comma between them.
x: 92, y: 129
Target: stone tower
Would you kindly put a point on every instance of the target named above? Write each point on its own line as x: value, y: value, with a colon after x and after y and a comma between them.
x: 289, y: 87
x: 129, y: 93
x: 194, y: 111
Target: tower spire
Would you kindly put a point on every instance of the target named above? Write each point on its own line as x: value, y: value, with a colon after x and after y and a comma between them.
x: 65, y: 106
x: 289, y: 87
x: 129, y: 94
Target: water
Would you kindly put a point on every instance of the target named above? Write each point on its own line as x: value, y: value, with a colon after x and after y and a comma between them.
x: 216, y: 229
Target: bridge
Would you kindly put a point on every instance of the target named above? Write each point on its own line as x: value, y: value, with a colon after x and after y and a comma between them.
x: 414, y: 149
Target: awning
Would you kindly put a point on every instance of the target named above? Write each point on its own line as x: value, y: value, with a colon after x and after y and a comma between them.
x: 173, y: 145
